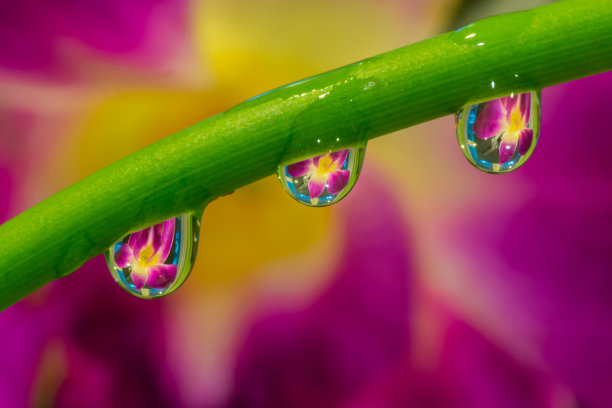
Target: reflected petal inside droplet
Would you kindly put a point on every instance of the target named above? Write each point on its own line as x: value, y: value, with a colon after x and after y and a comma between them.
x: 155, y: 261
x: 322, y: 180
x: 499, y: 135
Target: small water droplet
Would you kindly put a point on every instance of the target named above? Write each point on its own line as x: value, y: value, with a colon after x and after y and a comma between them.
x: 323, y: 180
x: 155, y: 261
x: 499, y: 135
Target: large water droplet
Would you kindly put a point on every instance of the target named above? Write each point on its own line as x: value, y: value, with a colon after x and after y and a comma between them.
x: 155, y: 261
x: 323, y: 180
x: 499, y: 135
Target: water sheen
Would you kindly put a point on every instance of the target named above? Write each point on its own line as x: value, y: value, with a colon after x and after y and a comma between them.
x: 323, y: 180
x: 155, y: 261
x: 499, y: 135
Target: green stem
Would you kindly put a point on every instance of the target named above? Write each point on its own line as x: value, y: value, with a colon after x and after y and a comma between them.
x: 491, y: 58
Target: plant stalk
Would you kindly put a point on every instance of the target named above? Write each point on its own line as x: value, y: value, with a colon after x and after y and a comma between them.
x: 515, y: 52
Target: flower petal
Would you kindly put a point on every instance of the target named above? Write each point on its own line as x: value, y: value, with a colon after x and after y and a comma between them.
x: 490, y: 120
x: 139, y: 278
x: 135, y: 236
x: 525, y: 140
x: 167, y: 238
x: 316, y: 185
x: 139, y: 239
x: 326, y: 354
x: 337, y: 181
x: 161, y: 276
x: 339, y: 157
x: 509, y: 103
x: 156, y: 235
x: 300, y: 169
x: 123, y: 256
x: 525, y: 107
x: 507, y: 147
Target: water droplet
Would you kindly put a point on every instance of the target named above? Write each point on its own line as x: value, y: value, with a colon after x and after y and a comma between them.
x: 486, y: 32
x: 155, y: 261
x: 499, y: 135
x: 323, y: 180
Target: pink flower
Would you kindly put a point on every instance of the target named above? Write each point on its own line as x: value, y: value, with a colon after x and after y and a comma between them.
x: 323, y: 172
x: 506, y: 119
x: 146, y: 253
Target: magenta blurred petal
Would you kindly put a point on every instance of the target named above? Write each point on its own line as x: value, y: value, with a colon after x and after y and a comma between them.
x: 486, y: 376
x: 167, y: 238
x: 156, y: 236
x: 316, y: 185
x: 339, y: 157
x: 139, y: 278
x: 138, y: 240
x: 123, y: 256
x: 490, y: 120
x: 553, y: 249
x: 109, y: 348
x: 337, y: 181
x: 525, y: 140
x: 510, y: 103
x: 351, y: 335
x: 525, y: 107
x: 161, y: 276
x: 32, y: 30
x: 507, y: 147
x: 300, y: 169
x: 469, y: 371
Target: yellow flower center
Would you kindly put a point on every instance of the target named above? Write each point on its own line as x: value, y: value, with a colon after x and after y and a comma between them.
x: 516, y: 120
x: 326, y: 165
x: 146, y: 257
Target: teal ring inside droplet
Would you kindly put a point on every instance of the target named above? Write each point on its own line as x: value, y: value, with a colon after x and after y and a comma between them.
x: 175, y: 251
x: 472, y: 150
x: 305, y: 198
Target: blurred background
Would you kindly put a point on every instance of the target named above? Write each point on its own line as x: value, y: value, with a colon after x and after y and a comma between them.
x: 430, y: 285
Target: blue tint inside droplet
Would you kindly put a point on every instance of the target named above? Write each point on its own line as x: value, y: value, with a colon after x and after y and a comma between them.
x: 485, y: 154
x: 488, y: 165
x: 470, y: 136
x: 182, y: 251
x: 299, y: 187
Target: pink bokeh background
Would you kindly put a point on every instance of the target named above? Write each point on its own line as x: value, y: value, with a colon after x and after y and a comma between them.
x: 430, y: 285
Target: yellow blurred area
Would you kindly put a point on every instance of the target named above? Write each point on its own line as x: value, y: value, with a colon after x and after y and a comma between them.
x: 125, y: 123
x: 258, y: 45
x: 252, y: 46
x: 257, y: 246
